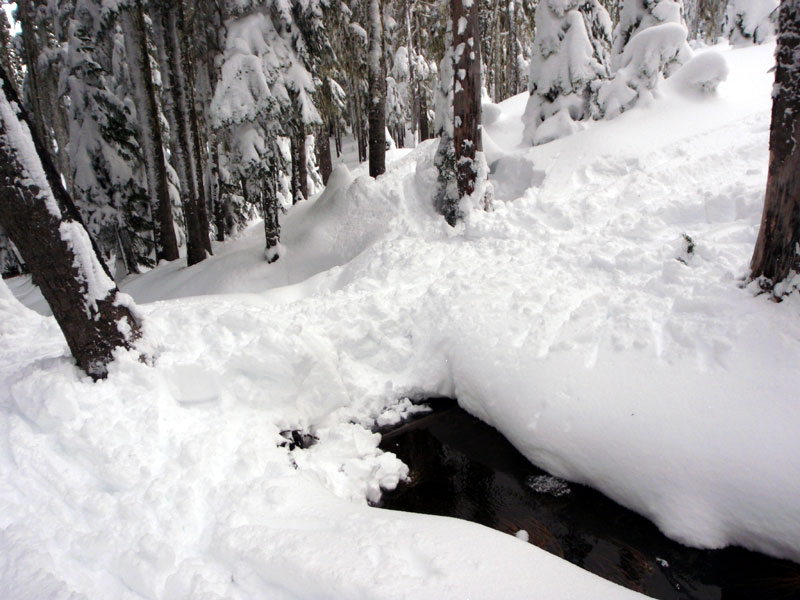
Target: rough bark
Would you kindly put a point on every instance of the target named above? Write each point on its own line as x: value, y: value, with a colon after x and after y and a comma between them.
x: 777, y: 251
x: 165, y: 17
x: 377, y: 94
x: 150, y: 137
x: 466, y: 94
x: 39, y: 217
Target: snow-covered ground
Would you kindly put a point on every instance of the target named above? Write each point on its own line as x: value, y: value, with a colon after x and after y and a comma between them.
x: 564, y: 318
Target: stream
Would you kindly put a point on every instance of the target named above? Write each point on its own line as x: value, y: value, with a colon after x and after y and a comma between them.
x: 461, y: 467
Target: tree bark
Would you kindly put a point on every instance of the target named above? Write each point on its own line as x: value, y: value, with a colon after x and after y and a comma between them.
x: 466, y: 94
x: 777, y: 251
x: 150, y: 138
x: 377, y: 94
x: 512, y: 79
x: 39, y: 217
x: 324, y: 154
x: 165, y: 18
x: 299, y: 166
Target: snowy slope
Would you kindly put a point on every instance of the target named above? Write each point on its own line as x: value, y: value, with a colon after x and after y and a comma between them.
x: 563, y: 318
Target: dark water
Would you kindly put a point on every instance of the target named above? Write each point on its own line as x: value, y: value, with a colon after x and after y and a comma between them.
x: 463, y: 468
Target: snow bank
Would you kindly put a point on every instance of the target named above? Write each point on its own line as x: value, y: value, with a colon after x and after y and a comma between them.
x: 564, y: 318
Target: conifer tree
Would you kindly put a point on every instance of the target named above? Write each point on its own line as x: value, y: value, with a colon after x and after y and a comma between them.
x: 39, y: 216
x: 570, y: 60
x: 149, y: 129
x: 776, y: 259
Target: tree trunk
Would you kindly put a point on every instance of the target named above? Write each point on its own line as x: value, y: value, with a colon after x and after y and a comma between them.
x: 39, y: 217
x: 176, y: 104
x: 413, y: 88
x: 777, y: 251
x: 377, y: 94
x: 299, y: 166
x: 512, y: 79
x: 150, y: 137
x: 424, y: 127
x: 324, y: 154
x: 47, y: 111
x: 466, y: 94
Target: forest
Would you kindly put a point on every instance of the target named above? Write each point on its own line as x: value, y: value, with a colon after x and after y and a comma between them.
x: 244, y: 241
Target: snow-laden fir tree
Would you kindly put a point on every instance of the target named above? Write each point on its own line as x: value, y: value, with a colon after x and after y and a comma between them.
x: 38, y: 214
x: 650, y: 43
x: 570, y: 59
x: 750, y: 21
x: 169, y: 29
x: 264, y: 88
x: 149, y: 129
x: 104, y: 154
x: 446, y: 197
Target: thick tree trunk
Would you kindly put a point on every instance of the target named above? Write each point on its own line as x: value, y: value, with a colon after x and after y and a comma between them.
x: 377, y: 94
x: 165, y: 18
x: 150, y: 138
x: 324, y: 154
x: 466, y: 93
x: 777, y: 251
x: 38, y: 216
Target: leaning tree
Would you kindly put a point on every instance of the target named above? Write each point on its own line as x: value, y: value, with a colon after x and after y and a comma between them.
x: 777, y: 251
x: 40, y: 218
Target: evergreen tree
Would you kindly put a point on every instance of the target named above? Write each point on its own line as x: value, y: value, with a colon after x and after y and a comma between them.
x: 266, y: 92
x: 649, y: 45
x: 569, y: 62
x: 104, y: 154
x: 39, y: 216
x: 149, y: 129
x: 750, y: 21
x: 776, y: 262
x: 168, y: 30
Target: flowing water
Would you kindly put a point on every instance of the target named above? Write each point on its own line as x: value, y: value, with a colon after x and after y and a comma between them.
x: 461, y: 467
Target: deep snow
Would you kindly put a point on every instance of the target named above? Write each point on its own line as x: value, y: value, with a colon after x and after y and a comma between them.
x: 563, y: 318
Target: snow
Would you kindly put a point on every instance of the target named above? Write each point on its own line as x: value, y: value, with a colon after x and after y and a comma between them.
x: 17, y: 135
x: 563, y: 318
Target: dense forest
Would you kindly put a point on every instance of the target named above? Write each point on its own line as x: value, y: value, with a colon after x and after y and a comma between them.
x: 174, y: 123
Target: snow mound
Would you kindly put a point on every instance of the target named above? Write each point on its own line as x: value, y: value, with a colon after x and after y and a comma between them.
x: 703, y: 73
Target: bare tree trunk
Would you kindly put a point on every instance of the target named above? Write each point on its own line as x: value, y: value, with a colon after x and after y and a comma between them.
x: 324, y: 154
x: 512, y: 79
x: 413, y: 88
x: 377, y: 94
x: 176, y: 104
x: 39, y: 217
x: 150, y: 137
x: 466, y: 93
x: 424, y: 125
x: 299, y: 166
x: 777, y: 251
